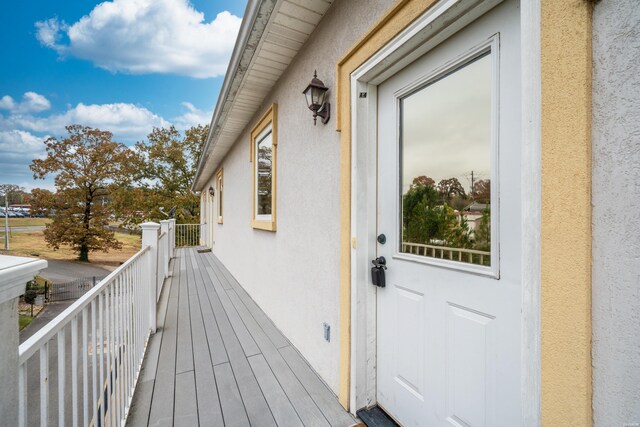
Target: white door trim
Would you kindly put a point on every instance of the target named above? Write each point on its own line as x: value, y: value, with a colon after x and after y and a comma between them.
x: 434, y: 26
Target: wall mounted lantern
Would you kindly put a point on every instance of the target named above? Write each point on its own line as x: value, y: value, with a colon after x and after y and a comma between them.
x: 211, y: 191
x: 315, y: 95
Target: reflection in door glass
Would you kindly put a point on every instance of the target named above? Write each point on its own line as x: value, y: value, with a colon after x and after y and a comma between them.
x: 446, y: 166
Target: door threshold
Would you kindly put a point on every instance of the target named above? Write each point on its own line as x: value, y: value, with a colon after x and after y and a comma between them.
x: 376, y: 417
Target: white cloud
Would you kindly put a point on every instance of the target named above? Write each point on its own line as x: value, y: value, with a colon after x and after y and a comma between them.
x: 32, y: 102
x: 7, y: 103
x: 125, y: 121
x: 21, y: 143
x: 49, y: 32
x: 192, y: 117
x: 146, y: 36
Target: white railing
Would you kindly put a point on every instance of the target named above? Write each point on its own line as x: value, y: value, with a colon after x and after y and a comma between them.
x: 163, y: 253
x: 190, y: 234
x: 100, y: 340
x: 456, y: 254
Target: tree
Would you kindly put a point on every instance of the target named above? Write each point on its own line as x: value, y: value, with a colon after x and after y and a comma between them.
x: 449, y: 188
x: 89, y: 166
x: 12, y: 191
x: 41, y: 201
x: 482, y: 233
x: 169, y: 161
x: 481, y: 191
x: 423, y: 180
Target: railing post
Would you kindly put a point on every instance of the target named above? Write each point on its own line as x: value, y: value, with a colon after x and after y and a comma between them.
x: 15, y: 272
x: 164, y: 228
x: 150, y: 238
x: 172, y: 237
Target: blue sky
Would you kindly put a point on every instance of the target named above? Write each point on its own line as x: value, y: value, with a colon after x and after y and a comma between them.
x: 119, y: 65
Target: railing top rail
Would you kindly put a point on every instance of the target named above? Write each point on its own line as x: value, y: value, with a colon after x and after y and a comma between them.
x: 31, y: 345
x: 447, y: 248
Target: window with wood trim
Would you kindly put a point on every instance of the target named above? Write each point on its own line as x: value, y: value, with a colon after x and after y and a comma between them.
x: 220, y: 187
x: 264, y: 148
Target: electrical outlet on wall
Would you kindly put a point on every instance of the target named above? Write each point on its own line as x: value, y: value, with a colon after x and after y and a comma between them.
x: 327, y: 332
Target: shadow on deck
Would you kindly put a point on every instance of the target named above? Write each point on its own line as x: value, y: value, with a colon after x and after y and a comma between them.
x: 217, y: 359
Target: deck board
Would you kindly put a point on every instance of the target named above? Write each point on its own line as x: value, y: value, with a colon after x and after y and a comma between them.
x: 217, y: 359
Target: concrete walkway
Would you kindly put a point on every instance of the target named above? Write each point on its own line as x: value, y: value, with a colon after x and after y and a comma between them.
x: 60, y: 271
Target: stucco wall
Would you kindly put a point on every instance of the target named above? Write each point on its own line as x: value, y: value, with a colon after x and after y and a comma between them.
x: 293, y: 273
x: 616, y: 207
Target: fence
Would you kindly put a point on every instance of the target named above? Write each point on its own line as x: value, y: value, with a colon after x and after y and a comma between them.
x: 189, y: 234
x: 100, y: 340
x: 456, y: 254
x: 70, y: 290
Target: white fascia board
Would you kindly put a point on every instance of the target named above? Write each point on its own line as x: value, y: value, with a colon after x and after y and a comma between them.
x: 255, y: 21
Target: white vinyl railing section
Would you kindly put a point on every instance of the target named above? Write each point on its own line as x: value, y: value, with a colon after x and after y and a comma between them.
x: 82, y: 367
x: 190, y: 234
x: 444, y: 252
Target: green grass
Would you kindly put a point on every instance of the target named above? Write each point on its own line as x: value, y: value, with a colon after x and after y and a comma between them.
x: 25, y: 222
x: 24, y: 320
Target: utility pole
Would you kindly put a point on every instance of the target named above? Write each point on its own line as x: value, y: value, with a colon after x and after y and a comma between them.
x: 471, y: 183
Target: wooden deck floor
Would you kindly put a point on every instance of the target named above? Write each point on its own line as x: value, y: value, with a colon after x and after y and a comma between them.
x: 217, y: 359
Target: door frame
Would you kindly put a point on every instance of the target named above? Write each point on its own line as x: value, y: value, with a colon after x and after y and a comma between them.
x: 430, y: 29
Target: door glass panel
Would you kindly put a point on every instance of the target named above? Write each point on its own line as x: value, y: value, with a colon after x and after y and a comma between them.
x: 445, y: 170
x: 264, y: 180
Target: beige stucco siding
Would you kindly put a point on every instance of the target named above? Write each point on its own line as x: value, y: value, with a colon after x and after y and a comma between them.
x: 293, y: 273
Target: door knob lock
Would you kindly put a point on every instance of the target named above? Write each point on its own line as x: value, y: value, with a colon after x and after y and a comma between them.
x: 377, y: 271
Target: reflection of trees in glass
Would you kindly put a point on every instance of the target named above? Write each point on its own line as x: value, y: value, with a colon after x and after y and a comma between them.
x: 426, y: 221
x: 434, y: 215
x: 482, y: 233
x: 481, y: 191
x: 264, y: 177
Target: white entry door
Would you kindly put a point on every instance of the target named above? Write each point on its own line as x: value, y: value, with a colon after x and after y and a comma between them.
x: 449, y: 318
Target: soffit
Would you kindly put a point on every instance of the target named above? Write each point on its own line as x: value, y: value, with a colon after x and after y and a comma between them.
x: 268, y: 49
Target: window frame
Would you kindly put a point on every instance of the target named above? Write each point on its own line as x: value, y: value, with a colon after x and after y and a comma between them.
x: 268, y: 121
x: 218, y: 205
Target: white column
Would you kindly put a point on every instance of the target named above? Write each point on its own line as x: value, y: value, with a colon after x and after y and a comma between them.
x: 150, y: 238
x: 164, y: 228
x: 15, y: 272
x: 172, y: 235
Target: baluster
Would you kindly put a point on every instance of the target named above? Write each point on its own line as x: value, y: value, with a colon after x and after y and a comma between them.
x: 74, y: 371
x: 101, y: 305
x: 44, y: 385
x: 22, y: 394
x: 109, y: 354
x: 61, y: 376
x: 117, y: 372
x: 85, y: 368
x: 94, y: 368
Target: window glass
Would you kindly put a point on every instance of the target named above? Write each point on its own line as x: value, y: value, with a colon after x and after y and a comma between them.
x: 445, y: 174
x: 220, y: 198
x: 264, y: 187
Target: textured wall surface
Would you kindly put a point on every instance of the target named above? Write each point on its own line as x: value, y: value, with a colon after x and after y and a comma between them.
x: 616, y: 213
x: 293, y: 273
x: 565, y: 288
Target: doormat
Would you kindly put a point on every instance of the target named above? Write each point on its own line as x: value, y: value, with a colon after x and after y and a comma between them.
x: 204, y: 250
x: 376, y: 417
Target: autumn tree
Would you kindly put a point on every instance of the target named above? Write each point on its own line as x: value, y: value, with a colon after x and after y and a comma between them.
x: 481, y: 191
x: 42, y: 201
x: 169, y: 160
x: 12, y: 192
x: 423, y: 180
x: 449, y: 188
x: 88, y: 166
